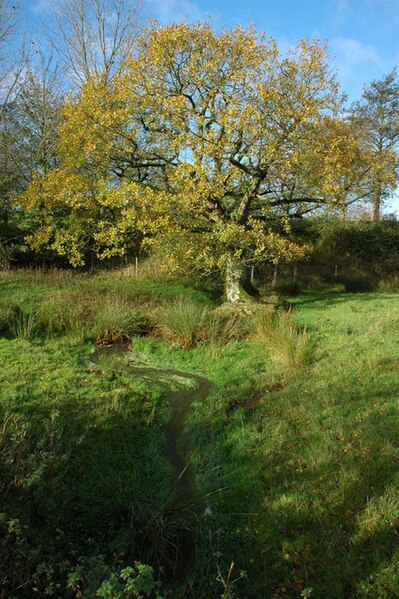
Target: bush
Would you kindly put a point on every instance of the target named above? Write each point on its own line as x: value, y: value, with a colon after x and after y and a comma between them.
x: 287, y: 288
x: 356, y: 283
x: 316, y: 283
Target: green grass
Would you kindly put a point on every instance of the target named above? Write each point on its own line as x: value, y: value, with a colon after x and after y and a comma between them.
x: 82, y: 461
x: 307, y: 462
x: 295, y: 449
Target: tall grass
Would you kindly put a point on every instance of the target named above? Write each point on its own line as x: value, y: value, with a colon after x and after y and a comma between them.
x: 116, y: 320
x: 64, y: 311
x: 8, y: 311
x: 183, y: 321
x: 85, y: 312
x: 229, y: 322
x: 289, y: 344
x: 24, y: 326
x: 389, y: 284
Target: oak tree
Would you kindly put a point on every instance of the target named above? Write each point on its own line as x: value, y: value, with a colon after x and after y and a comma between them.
x: 195, y: 141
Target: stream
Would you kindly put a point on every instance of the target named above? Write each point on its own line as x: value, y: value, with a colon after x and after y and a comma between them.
x: 181, y: 390
x: 180, y: 396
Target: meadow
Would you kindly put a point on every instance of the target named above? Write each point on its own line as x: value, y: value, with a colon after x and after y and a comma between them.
x: 294, y: 450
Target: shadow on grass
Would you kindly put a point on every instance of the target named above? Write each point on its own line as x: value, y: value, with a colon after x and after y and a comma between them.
x: 85, y: 479
x: 299, y: 517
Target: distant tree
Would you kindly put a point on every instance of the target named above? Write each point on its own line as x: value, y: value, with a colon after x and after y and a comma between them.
x: 29, y: 127
x: 11, y: 63
x: 93, y: 37
x: 376, y: 115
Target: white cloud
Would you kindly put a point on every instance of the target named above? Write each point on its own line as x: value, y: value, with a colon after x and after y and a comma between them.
x: 350, y: 53
x: 167, y: 11
x: 41, y: 5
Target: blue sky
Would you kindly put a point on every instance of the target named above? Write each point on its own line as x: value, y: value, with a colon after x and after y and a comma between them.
x: 362, y: 35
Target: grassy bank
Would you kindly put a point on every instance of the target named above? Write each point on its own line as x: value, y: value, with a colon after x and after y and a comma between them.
x: 295, y: 448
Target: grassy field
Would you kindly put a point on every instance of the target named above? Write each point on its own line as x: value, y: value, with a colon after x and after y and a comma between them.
x: 295, y: 449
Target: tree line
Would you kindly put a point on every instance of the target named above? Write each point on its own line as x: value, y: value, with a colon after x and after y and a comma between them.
x: 205, y: 144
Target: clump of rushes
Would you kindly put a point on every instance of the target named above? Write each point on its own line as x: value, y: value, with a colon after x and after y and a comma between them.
x: 229, y: 322
x: 24, y: 325
x: 389, y: 284
x: 64, y: 312
x: 289, y: 344
x: 8, y: 313
x: 116, y: 321
x: 183, y: 321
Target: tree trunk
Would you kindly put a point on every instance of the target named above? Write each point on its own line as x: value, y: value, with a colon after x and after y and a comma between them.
x: 246, y: 282
x: 238, y: 285
x: 295, y: 273
x: 233, y: 280
x: 377, y: 202
x: 275, y: 274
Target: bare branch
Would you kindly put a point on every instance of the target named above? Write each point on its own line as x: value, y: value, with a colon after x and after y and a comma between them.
x: 94, y: 36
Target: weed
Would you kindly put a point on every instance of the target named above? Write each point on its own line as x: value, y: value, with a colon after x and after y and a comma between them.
x: 137, y: 581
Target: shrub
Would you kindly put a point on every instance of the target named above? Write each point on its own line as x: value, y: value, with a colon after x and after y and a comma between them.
x: 316, y: 283
x: 287, y: 288
x: 356, y: 283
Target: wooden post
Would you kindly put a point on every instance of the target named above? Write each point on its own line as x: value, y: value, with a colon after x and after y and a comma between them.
x: 136, y: 265
x: 275, y: 274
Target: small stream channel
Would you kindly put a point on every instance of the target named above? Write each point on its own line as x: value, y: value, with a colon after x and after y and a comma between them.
x: 181, y: 390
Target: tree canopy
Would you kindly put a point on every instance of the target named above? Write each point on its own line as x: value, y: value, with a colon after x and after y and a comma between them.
x: 207, y: 139
x: 376, y: 118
